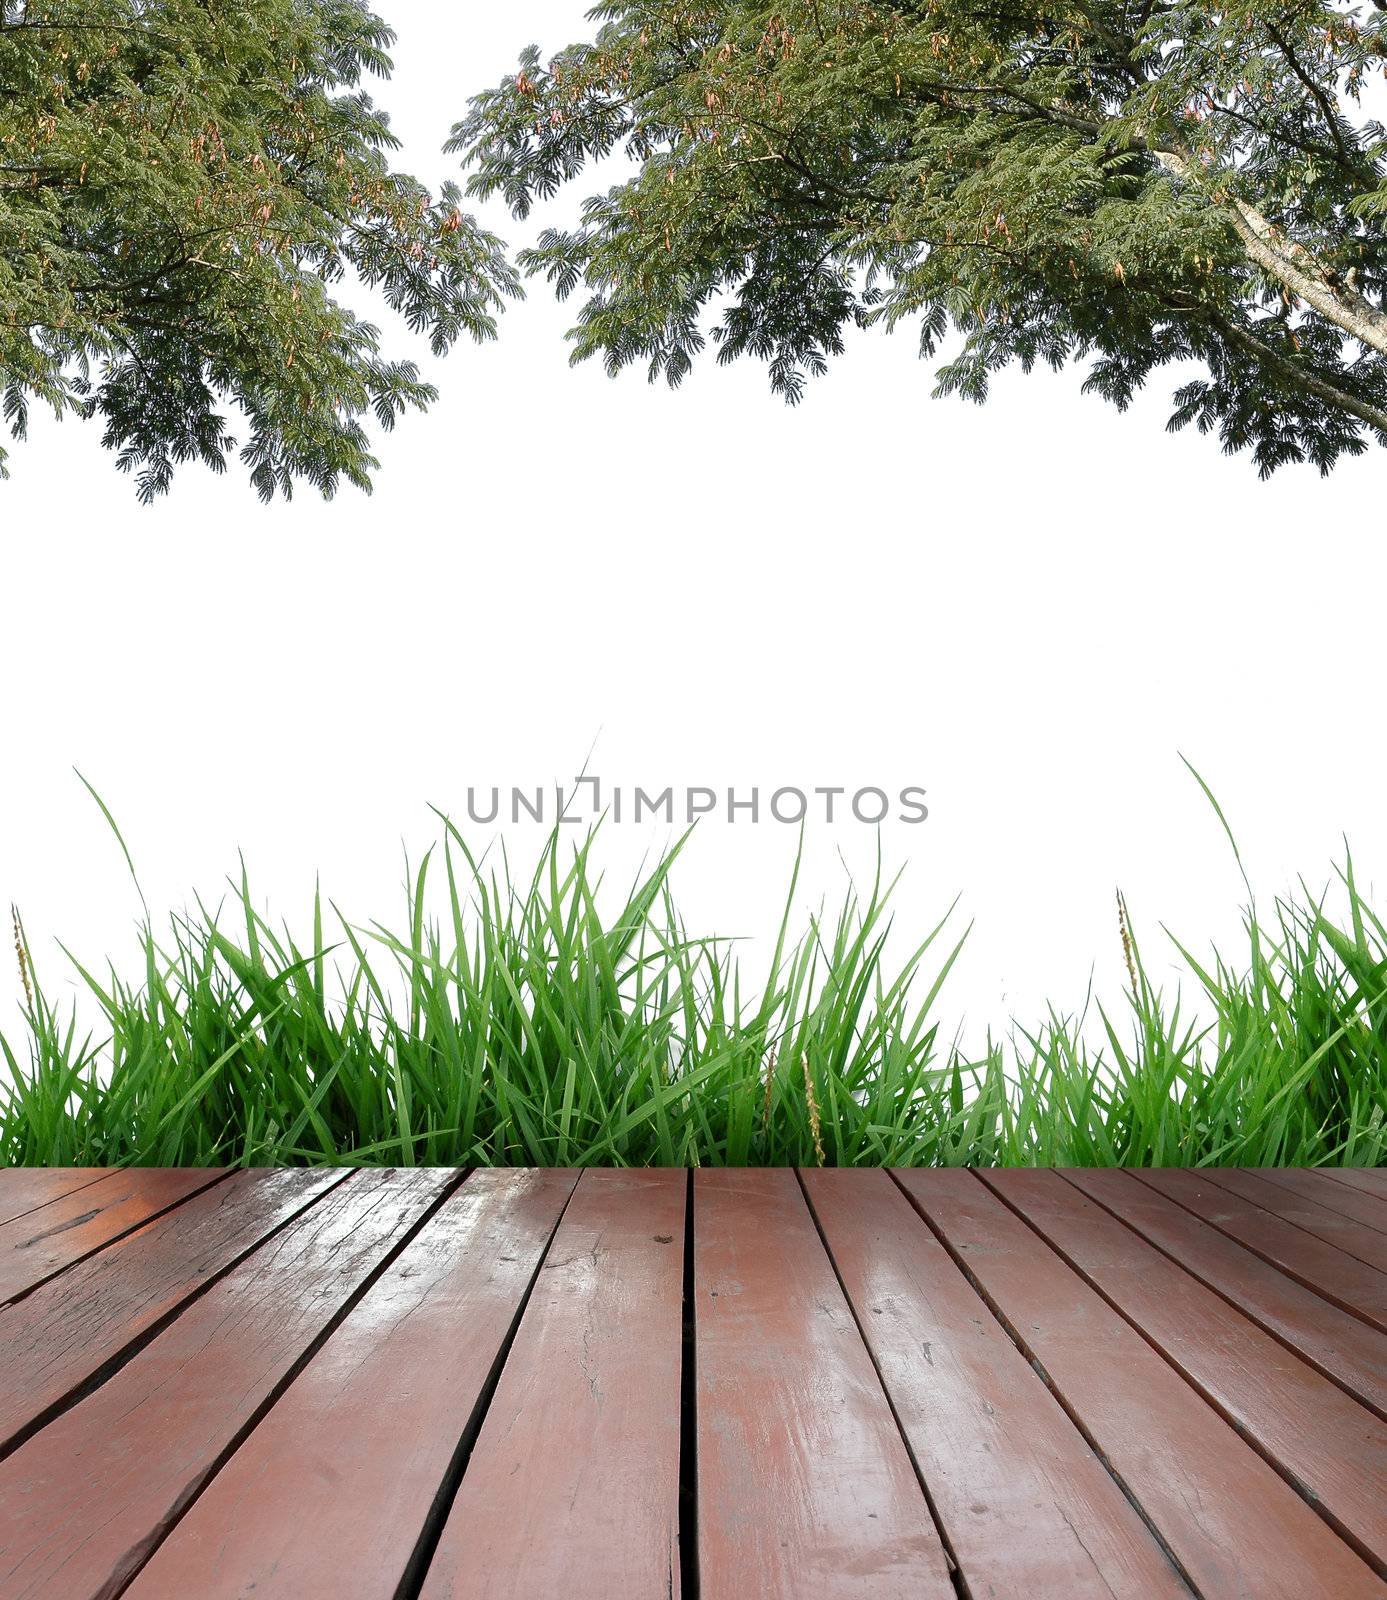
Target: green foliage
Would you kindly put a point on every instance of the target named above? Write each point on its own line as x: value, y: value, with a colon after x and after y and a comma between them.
x: 1132, y: 183
x: 182, y: 188
x: 527, y: 1026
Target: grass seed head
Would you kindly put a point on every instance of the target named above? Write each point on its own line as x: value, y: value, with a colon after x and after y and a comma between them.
x: 812, y: 1100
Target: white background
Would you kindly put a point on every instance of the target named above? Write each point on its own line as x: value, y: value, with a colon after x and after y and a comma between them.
x: 1028, y: 609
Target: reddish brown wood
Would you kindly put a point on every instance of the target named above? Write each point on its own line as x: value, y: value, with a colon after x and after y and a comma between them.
x: 1337, y: 1344
x: 1355, y: 1239
x: 1027, y: 1507
x: 1367, y: 1180
x: 329, y: 1495
x: 1340, y: 1278
x: 85, y: 1500
x: 252, y: 1388
x: 1331, y: 1448
x: 36, y: 1247
x: 1312, y: 1183
x: 69, y: 1329
x: 25, y: 1189
x: 573, y: 1487
x: 1236, y: 1528
x: 805, y: 1488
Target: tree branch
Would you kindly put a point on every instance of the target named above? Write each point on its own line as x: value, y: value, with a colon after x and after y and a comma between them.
x: 1298, y: 373
x: 1291, y: 264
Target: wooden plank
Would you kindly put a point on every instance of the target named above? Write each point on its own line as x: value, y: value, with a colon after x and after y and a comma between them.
x: 1335, y: 1343
x: 36, y: 1247
x: 1367, y: 1180
x: 1313, y: 1183
x: 1026, y: 1506
x: 805, y: 1488
x: 573, y: 1487
x: 1341, y: 1279
x: 1363, y: 1243
x: 1235, y: 1527
x: 85, y: 1500
x: 71, y: 1329
x: 25, y: 1189
x: 1329, y: 1447
x: 330, y: 1493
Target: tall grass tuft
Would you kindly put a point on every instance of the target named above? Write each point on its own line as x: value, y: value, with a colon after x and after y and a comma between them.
x: 529, y: 1025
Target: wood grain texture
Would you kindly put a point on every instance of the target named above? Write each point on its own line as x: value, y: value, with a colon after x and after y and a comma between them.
x: 1027, y: 1507
x: 25, y: 1189
x: 1291, y: 1204
x: 396, y: 1385
x: 70, y: 1329
x: 40, y: 1245
x: 328, y: 1497
x: 1331, y: 1448
x: 85, y: 1500
x: 1335, y: 1343
x: 1312, y: 1183
x: 805, y: 1487
x: 1236, y: 1528
x: 573, y: 1487
x: 1338, y: 1277
x: 1367, y: 1180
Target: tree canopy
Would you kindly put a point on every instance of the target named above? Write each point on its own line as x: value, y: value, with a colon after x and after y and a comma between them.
x: 183, y: 184
x: 1129, y: 183
x: 190, y: 189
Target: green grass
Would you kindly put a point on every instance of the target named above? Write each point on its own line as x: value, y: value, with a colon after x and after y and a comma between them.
x: 536, y: 1023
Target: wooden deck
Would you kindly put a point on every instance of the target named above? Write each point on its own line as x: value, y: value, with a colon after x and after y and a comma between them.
x: 384, y: 1385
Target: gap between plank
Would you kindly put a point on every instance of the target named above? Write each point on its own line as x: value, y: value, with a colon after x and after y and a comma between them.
x: 1271, y: 1175
x: 1038, y: 1367
x: 1227, y: 1298
x: 688, y: 1419
x: 1210, y: 1174
x: 96, y: 1249
x: 1344, y: 1305
x: 127, y: 1353
x: 417, y: 1567
x: 102, y: 1173
x: 1243, y: 1432
x: 956, y: 1575
x: 273, y: 1397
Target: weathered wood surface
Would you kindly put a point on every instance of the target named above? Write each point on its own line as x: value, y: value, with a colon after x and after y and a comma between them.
x: 1367, y: 1180
x: 1329, y: 1338
x: 25, y: 1189
x: 421, y: 1385
x: 1332, y: 1450
x: 1322, y: 1187
x: 40, y: 1244
x: 576, y: 1469
x: 1331, y: 1272
x: 1358, y: 1239
x: 991, y: 1440
x: 1234, y: 1526
x: 72, y: 1328
x: 805, y: 1486
x: 375, y: 1419
x: 119, y: 1467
